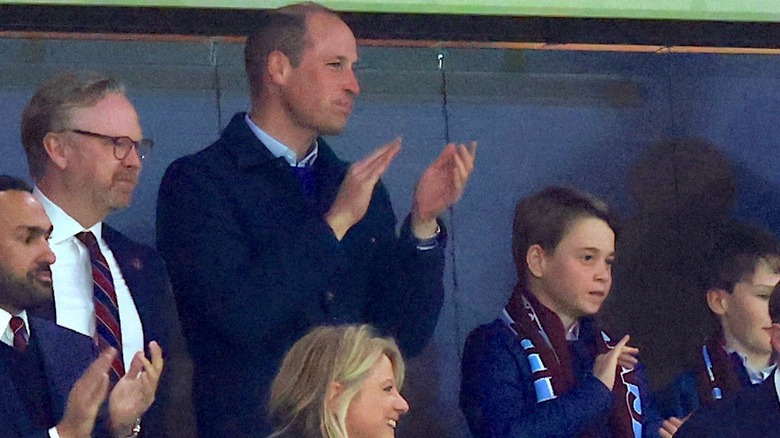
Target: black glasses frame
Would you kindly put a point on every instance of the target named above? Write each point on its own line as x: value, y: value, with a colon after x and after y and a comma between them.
x: 142, y: 147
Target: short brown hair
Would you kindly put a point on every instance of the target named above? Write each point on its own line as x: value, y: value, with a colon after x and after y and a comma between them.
x: 736, y: 253
x: 50, y: 107
x: 544, y: 218
x: 283, y: 29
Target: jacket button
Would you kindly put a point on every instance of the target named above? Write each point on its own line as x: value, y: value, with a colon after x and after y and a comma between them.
x: 330, y: 296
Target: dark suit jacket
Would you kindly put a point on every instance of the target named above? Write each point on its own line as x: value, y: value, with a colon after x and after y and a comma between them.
x: 66, y: 354
x: 171, y: 414
x: 255, y: 266
x: 751, y: 413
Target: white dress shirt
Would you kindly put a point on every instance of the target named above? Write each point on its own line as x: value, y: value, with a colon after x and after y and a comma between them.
x: 72, y: 279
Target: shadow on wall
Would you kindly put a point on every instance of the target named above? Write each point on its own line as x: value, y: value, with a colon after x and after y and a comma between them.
x: 425, y: 419
x: 685, y: 190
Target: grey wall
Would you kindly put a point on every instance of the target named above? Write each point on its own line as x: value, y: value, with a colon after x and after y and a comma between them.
x: 541, y: 117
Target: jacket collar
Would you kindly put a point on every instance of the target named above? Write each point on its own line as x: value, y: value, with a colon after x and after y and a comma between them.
x: 240, y: 142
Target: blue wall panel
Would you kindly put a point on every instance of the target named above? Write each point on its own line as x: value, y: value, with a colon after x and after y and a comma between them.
x: 541, y: 117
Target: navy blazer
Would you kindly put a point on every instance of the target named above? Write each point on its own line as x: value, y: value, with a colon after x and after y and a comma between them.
x: 498, y: 399
x: 751, y: 413
x: 65, y: 354
x: 681, y: 397
x: 171, y: 414
x: 255, y: 266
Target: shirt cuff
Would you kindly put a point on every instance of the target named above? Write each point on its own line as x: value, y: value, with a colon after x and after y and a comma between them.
x: 53, y: 433
x: 430, y: 242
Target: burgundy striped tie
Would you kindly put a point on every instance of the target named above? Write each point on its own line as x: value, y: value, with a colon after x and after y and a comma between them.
x: 107, y: 329
x: 20, y: 333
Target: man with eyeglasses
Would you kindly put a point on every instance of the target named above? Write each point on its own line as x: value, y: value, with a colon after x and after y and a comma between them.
x: 84, y: 147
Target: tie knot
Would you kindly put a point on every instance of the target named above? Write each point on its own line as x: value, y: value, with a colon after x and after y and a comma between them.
x: 88, y: 239
x: 17, y: 324
x: 20, y: 333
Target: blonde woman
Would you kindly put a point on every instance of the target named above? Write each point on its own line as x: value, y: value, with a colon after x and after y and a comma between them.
x: 339, y: 382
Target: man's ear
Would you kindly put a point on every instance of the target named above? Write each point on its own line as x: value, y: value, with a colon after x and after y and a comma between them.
x: 718, y: 300
x: 55, y: 147
x: 535, y: 258
x: 335, y: 389
x: 278, y: 67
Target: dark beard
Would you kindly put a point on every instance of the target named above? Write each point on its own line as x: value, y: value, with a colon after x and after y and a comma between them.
x: 24, y: 292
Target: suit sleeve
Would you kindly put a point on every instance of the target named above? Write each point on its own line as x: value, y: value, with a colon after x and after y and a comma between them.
x: 498, y: 399
x: 409, y: 286
x: 174, y: 393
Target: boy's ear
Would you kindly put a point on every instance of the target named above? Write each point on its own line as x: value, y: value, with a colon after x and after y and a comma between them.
x: 535, y: 259
x: 718, y: 300
x: 335, y: 389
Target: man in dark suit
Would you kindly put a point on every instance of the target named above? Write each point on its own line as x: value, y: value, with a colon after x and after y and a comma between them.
x: 751, y: 413
x: 84, y: 147
x: 267, y: 233
x: 41, y: 393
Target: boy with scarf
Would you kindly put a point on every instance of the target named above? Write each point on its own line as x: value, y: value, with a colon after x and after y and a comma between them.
x: 750, y: 413
x: 545, y: 369
x: 745, y: 269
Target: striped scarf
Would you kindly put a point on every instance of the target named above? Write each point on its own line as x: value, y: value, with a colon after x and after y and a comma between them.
x: 543, y: 338
x: 715, y: 370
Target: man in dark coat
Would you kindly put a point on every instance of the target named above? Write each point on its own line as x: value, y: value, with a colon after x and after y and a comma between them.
x: 267, y: 233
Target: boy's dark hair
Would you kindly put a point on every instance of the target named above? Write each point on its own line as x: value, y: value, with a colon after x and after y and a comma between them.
x: 736, y: 253
x: 8, y: 182
x: 544, y: 218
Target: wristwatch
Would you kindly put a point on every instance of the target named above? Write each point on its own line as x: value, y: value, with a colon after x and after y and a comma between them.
x: 136, y: 430
x: 429, y: 242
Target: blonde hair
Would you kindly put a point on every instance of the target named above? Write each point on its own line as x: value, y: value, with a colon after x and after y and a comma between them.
x: 344, y: 354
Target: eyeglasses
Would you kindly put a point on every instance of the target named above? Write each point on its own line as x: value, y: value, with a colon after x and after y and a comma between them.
x: 122, y: 145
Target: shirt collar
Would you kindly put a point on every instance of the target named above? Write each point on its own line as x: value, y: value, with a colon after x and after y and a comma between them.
x: 756, y: 375
x: 573, y: 334
x: 279, y: 150
x: 7, y: 336
x: 65, y: 226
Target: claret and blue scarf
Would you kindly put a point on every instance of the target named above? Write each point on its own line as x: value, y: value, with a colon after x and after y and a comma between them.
x: 543, y: 338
